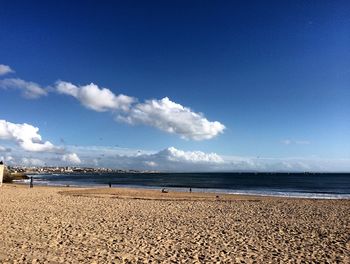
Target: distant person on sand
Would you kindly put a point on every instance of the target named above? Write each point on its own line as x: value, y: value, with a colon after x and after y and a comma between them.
x: 190, y: 189
x: 31, y: 182
x: 110, y: 185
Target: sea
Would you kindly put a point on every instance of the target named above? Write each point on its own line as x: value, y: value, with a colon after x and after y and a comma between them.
x: 301, y: 185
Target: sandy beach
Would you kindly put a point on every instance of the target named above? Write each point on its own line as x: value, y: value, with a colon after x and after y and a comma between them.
x: 67, y: 225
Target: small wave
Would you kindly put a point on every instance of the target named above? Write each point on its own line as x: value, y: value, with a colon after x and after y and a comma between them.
x: 22, y: 181
x: 329, y: 196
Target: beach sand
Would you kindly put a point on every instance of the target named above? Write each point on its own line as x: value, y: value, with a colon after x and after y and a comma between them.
x: 67, y: 225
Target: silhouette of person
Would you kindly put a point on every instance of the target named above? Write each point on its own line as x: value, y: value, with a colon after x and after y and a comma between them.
x: 31, y: 182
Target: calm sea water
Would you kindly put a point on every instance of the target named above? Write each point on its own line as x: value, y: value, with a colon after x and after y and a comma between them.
x: 314, y: 185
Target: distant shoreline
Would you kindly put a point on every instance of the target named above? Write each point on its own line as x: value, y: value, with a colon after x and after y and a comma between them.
x: 172, y: 193
x: 314, y: 186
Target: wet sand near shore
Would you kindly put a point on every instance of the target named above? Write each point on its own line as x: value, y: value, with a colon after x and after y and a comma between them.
x: 151, y: 194
x: 77, y: 225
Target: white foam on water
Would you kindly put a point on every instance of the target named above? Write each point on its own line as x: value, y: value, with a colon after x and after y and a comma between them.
x: 281, y: 194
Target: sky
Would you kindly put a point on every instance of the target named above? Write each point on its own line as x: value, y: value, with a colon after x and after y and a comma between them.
x: 176, y: 85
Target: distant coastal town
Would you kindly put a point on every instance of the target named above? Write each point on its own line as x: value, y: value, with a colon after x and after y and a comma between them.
x: 63, y: 170
x: 11, y: 173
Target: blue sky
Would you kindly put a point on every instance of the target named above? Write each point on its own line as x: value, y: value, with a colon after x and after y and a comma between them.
x: 274, y: 76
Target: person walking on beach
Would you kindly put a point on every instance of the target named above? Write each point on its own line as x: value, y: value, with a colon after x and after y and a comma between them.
x: 31, y: 182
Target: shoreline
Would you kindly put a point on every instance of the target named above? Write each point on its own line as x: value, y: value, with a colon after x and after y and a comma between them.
x: 318, y: 186
x: 173, y: 193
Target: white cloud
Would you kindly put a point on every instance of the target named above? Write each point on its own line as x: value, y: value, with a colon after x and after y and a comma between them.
x: 26, y: 136
x: 173, y: 118
x: 169, y: 159
x: 173, y: 159
x: 67, y: 88
x: 162, y: 114
x: 95, y: 98
x: 71, y: 158
x: 4, y: 69
x: 29, y: 90
x: 177, y: 155
x: 32, y: 162
x: 151, y: 163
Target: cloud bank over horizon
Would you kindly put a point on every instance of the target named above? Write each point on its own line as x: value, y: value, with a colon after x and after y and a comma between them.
x: 170, y: 159
x: 71, y: 158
